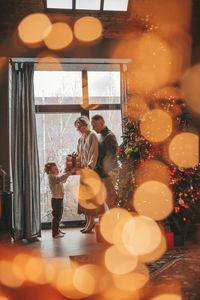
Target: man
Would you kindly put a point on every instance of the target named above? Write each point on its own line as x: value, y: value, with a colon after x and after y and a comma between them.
x: 107, y: 159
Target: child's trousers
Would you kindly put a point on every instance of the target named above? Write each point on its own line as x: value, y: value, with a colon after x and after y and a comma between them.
x: 57, y: 211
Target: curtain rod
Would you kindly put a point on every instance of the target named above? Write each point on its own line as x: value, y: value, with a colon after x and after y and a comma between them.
x: 72, y: 60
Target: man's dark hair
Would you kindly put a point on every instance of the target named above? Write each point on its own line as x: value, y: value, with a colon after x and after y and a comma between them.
x: 98, y: 117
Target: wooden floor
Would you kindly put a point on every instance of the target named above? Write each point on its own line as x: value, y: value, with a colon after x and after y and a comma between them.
x: 73, y: 243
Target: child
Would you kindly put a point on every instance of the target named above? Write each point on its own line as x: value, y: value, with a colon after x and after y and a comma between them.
x: 56, y: 186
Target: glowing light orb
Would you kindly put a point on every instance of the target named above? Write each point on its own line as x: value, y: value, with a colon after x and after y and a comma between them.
x: 59, y: 37
x: 157, y: 253
x: 141, y: 235
x: 10, y: 274
x: 153, y: 170
x: 184, y: 150
x: 35, y: 270
x: 119, y: 263
x: 110, y: 221
x: 117, y: 234
x: 88, y: 29
x: 64, y: 282
x: 92, y: 192
x: 49, y: 63
x: 156, y: 125
x: 34, y: 28
x: 150, y: 69
x: 86, y: 279
x: 4, y: 298
x: 132, y: 281
x: 191, y: 87
x: 153, y: 199
x: 135, y: 108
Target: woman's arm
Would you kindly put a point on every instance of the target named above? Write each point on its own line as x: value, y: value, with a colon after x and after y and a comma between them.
x: 92, y: 151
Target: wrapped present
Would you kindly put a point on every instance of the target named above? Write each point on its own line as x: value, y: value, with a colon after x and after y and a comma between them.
x: 73, y: 162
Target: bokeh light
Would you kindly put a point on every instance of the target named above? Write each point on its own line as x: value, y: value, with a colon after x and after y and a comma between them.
x: 34, y: 28
x: 86, y: 279
x: 64, y: 281
x: 153, y: 169
x: 92, y: 192
x: 35, y: 270
x: 141, y: 235
x: 135, y: 108
x: 110, y: 221
x: 191, y: 87
x: 153, y: 199
x: 167, y: 297
x: 10, y: 274
x: 54, y: 268
x: 118, y: 294
x: 117, y: 233
x: 49, y: 63
x: 157, y: 253
x: 59, y: 37
x: 119, y: 263
x: 132, y: 281
x: 184, y: 149
x: 180, y: 42
x: 150, y: 69
x: 88, y: 29
x: 156, y: 125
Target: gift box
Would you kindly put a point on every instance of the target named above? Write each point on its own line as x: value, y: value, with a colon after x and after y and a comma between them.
x: 72, y: 162
x: 169, y: 239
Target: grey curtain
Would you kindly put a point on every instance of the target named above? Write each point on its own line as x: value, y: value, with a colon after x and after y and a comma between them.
x: 24, y: 154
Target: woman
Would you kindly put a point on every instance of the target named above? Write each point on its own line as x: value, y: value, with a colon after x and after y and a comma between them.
x: 87, y: 150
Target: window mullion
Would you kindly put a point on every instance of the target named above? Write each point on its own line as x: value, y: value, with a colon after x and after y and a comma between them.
x: 73, y: 4
x: 61, y: 108
x: 102, y: 5
x: 85, y: 93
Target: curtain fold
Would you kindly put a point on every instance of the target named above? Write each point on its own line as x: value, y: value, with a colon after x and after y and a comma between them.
x: 24, y: 154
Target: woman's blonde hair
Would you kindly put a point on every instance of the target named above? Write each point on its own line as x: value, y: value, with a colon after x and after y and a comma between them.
x: 48, y: 166
x: 82, y: 121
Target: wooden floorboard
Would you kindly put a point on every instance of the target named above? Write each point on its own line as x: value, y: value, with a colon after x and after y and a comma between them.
x: 73, y: 243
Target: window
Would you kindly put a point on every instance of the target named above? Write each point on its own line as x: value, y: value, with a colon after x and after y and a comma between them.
x: 61, y: 97
x: 89, y: 5
x: 63, y: 4
x: 101, y: 5
x: 116, y: 5
x: 58, y: 87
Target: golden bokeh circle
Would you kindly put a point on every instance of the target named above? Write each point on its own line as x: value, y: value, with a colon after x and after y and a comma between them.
x: 34, y: 28
x: 156, y: 125
x: 153, y: 199
x: 59, y: 37
x: 88, y: 29
x: 184, y: 149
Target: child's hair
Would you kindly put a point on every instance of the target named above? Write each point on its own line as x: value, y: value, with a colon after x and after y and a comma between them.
x: 48, y: 166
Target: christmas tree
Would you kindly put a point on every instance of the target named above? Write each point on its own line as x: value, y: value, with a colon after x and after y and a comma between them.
x: 136, y: 151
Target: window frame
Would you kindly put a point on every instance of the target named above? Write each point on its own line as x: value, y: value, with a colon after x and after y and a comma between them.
x: 86, y: 11
x: 84, y: 67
